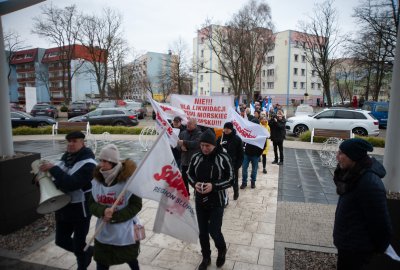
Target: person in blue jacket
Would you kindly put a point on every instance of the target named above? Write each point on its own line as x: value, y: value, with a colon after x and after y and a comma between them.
x: 362, y: 225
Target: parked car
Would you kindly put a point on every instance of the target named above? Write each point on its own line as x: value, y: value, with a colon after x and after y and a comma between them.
x: 304, y: 109
x: 19, y: 119
x: 77, y: 108
x: 44, y: 109
x: 16, y: 107
x: 138, y: 107
x: 107, y: 104
x: 361, y: 122
x: 378, y: 109
x: 109, y: 117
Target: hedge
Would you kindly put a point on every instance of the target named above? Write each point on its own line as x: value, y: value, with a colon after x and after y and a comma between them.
x: 94, y: 130
x: 375, y: 141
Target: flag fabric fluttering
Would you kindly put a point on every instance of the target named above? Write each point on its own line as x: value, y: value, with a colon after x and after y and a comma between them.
x: 158, y: 178
x: 162, y: 122
x: 172, y: 112
x: 249, y: 132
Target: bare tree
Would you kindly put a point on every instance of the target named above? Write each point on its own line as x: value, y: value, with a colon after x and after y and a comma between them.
x: 99, y: 36
x: 321, y: 42
x: 374, y: 47
x: 344, y: 79
x: 178, y: 67
x: 43, y: 78
x: 61, y: 27
x: 240, y: 46
x: 12, y: 44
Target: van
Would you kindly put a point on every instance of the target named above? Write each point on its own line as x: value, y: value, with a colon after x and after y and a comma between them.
x: 380, y: 110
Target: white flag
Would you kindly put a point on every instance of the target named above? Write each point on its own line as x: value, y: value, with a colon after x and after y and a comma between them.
x: 249, y: 132
x: 162, y: 122
x: 159, y: 179
x: 171, y: 112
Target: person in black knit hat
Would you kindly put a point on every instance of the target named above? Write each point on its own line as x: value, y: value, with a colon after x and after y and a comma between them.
x: 210, y: 172
x: 362, y: 225
x: 232, y: 144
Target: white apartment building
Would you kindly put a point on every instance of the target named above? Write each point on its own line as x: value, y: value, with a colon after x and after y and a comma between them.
x: 286, y: 76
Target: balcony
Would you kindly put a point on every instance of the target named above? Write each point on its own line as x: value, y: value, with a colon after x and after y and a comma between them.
x: 30, y: 79
x: 25, y: 69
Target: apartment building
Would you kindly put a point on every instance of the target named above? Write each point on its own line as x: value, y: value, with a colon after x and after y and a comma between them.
x: 27, y: 70
x: 152, y: 71
x: 285, y: 76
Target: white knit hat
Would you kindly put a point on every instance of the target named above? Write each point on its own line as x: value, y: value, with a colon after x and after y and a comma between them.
x: 110, y: 153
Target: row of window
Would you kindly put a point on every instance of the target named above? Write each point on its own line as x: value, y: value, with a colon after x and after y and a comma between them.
x: 270, y: 85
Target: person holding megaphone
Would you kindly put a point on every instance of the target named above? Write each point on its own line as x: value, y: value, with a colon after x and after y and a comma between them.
x: 73, y: 175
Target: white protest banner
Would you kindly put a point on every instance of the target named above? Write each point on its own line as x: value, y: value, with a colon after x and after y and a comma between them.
x: 171, y: 112
x: 158, y: 178
x: 210, y: 111
x: 249, y: 132
x: 161, y: 120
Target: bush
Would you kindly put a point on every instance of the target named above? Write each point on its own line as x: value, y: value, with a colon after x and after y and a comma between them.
x: 64, y: 108
x: 375, y: 141
x: 94, y: 130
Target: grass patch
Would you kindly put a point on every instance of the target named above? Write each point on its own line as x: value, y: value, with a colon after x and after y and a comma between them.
x: 375, y: 141
x: 94, y: 130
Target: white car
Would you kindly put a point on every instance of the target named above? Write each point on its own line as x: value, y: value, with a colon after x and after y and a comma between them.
x: 359, y: 121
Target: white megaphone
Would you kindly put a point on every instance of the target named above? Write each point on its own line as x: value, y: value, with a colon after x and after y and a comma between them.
x: 51, y: 199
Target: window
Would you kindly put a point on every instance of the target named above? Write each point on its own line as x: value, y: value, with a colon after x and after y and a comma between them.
x: 303, y: 72
x: 302, y: 85
x: 319, y: 86
x: 296, y: 57
x: 344, y: 115
x: 270, y: 60
x: 201, y: 78
x: 263, y: 85
x: 270, y: 72
x: 294, y: 84
x: 381, y: 108
x: 222, y: 90
x: 201, y: 91
x: 295, y: 71
x: 202, y: 53
x: 312, y: 85
x: 313, y: 73
x: 326, y: 114
x: 303, y: 58
x: 112, y: 112
x: 270, y: 85
x: 263, y: 73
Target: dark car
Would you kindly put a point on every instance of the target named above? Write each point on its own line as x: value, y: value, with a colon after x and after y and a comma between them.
x: 19, y: 119
x: 77, y: 108
x: 138, y: 107
x: 109, y: 117
x: 44, y: 109
x: 378, y: 109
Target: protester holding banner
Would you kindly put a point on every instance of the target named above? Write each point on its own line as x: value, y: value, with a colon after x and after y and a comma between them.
x: 278, y: 135
x: 233, y: 146
x: 210, y: 173
x: 72, y: 175
x: 188, y: 144
x: 252, y: 155
x: 264, y: 123
x: 115, y: 243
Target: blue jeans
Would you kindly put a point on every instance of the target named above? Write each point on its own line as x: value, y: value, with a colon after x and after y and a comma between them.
x: 254, y: 166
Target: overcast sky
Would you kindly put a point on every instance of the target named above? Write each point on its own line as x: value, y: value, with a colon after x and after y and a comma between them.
x: 153, y: 25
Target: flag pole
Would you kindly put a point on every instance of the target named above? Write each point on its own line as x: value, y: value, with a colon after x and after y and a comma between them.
x: 98, y: 229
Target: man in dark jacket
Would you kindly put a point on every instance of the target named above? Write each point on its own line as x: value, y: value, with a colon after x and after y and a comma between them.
x: 188, y: 144
x: 210, y: 173
x: 73, y: 175
x: 362, y: 223
x: 233, y: 146
x: 177, y: 123
x: 278, y: 134
x: 252, y: 154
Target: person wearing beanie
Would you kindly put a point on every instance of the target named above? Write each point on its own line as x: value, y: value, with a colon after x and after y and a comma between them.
x: 73, y: 175
x: 278, y: 135
x: 188, y: 145
x: 210, y: 172
x: 115, y: 243
x: 362, y: 224
x: 232, y: 144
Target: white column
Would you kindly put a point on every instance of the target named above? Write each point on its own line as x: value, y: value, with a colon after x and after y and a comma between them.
x: 6, y: 143
x: 391, y: 159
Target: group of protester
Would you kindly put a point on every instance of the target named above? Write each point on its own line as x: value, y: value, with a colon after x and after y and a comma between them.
x: 209, y: 165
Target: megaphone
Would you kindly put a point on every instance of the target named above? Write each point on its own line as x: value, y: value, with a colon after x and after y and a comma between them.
x: 51, y: 198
